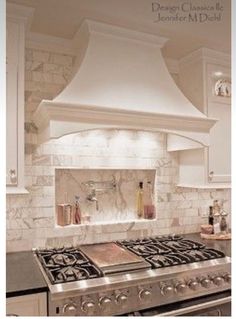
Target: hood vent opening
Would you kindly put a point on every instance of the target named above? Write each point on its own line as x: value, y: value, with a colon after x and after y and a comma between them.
x: 121, y: 82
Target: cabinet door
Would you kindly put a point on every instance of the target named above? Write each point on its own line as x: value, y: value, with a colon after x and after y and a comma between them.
x: 15, y: 106
x: 29, y: 305
x: 11, y: 127
x: 219, y: 107
x: 12, y: 56
x: 220, y: 143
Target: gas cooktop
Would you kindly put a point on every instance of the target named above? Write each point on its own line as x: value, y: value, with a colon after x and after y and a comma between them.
x: 72, y: 264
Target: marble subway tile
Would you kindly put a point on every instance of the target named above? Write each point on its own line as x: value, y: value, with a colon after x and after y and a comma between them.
x: 201, y: 203
x: 59, y: 242
x: 39, y: 243
x: 28, y: 181
x: 175, y: 222
x: 43, y: 180
x: 60, y: 59
x: 43, y: 88
x: 184, y: 204
x: 190, y: 220
x: 53, y: 68
x: 42, y: 77
x: 177, y: 197
x: 192, y: 212
x: 48, y: 170
x: 38, y: 170
x: 61, y: 160
x: 43, y: 222
x: 13, y: 234
x: 42, y: 201
x: 16, y: 201
x: 191, y: 196
x: 18, y: 245
x: 41, y: 159
x: 205, y: 195
x: 33, y: 66
x: 40, y: 56
x: 59, y: 79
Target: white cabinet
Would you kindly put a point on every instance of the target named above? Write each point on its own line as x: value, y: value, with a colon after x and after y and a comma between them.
x: 219, y: 152
x: 15, y: 55
x: 27, y: 305
x: 198, y: 74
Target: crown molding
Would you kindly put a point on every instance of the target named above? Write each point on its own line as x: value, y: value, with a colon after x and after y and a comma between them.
x: 44, y: 42
x: 206, y: 55
x: 20, y: 13
x: 120, y: 32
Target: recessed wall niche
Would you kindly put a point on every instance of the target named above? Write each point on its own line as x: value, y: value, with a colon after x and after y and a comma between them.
x: 114, y: 199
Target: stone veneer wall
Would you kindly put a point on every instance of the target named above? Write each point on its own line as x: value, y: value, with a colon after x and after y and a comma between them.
x: 31, y: 217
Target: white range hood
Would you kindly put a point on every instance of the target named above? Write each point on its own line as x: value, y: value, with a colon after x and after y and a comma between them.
x: 121, y: 81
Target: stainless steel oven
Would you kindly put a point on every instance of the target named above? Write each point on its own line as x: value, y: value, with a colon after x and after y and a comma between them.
x: 189, y: 279
x: 216, y: 305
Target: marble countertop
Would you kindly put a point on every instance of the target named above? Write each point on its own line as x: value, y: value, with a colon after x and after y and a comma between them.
x: 23, y: 275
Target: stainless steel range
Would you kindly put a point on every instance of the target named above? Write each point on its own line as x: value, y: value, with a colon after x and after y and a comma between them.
x: 151, y: 276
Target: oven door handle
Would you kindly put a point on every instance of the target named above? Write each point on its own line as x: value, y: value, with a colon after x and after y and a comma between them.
x: 201, y: 306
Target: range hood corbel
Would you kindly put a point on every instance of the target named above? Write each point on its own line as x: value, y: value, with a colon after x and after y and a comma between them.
x: 121, y: 82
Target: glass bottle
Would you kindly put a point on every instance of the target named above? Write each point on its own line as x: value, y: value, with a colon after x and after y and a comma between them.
x: 211, y: 216
x: 77, y: 211
x: 216, y: 215
x: 149, y: 207
x: 140, y: 208
x: 223, y: 222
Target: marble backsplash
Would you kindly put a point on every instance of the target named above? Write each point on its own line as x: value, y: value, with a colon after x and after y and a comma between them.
x: 30, y: 218
x: 115, y: 191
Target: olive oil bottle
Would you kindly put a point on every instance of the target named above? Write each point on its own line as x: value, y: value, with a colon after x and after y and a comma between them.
x: 139, y: 202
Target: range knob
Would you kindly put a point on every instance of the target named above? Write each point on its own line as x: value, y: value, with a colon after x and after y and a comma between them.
x: 145, y: 294
x: 88, y: 307
x: 121, y: 299
x: 193, y: 284
x: 181, y: 287
x: 70, y: 309
x: 227, y: 278
x: 105, y: 303
x: 206, y: 282
x: 167, y: 290
x: 218, y: 281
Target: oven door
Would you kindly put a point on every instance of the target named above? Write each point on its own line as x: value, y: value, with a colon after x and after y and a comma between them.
x: 217, y: 308
x: 214, y: 305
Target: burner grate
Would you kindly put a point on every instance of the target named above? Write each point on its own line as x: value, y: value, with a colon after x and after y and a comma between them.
x: 66, y: 265
x: 170, y: 250
x: 142, y: 241
x: 149, y: 249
